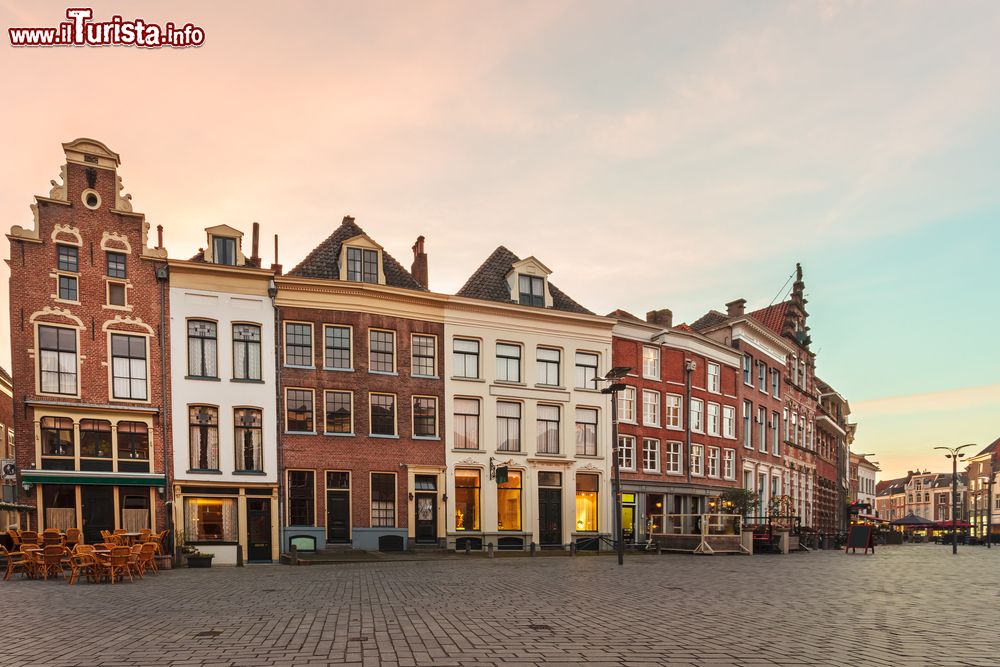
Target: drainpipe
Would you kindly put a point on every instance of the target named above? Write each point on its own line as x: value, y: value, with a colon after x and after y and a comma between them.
x: 689, y: 366
x: 272, y: 291
x: 163, y: 277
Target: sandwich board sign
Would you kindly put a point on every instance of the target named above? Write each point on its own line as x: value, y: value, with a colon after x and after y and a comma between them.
x: 861, y: 536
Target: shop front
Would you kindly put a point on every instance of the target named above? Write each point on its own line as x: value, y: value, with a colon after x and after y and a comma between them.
x: 236, y: 524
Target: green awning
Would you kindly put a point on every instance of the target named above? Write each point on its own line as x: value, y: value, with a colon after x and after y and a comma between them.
x: 105, y: 479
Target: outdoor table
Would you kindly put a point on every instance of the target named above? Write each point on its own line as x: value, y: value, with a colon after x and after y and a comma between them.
x: 130, y: 537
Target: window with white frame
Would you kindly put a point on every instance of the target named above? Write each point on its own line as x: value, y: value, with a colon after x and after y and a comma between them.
x: 465, y: 358
x: 713, y: 418
x: 626, y: 405
x: 626, y: 452
x: 424, y: 356
x: 382, y: 414
x: 775, y: 383
x: 785, y: 422
x: 466, y: 423
x: 586, y: 370
x: 57, y: 361
x: 425, y: 417
x: 729, y: 464
x: 697, y: 415
x: 729, y: 422
x: 795, y: 428
x: 747, y: 428
x: 202, y: 349
x: 774, y: 434
x: 586, y: 431
x: 650, y: 455
x: 337, y: 347
x: 298, y: 344
x: 698, y: 460
x: 508, y: 426
x: 762, y: 376
x: 675, y: 458
x: 747, y: 369
x: 762, y: 429
x: 548, y: 361
x: 362, y: 265
x: 650, y: 408
x: 713, y: 461
x: 651, y: 362
x: 547, y: 423
x: 714, y: 377
x: 673, y: 412
x: 381, y: 351
x: 128, y: 367
x: 508, y: 362
x: 246, y: 352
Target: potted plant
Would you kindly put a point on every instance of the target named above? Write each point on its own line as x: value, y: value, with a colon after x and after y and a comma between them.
x: 742, y: 502
x: 196, y: 558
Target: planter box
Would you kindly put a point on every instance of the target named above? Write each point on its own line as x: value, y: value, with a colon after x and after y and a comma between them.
x: 199, y: 561
x: 164, y: 562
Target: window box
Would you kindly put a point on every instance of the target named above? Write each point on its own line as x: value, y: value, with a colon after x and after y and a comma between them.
x: 198, y: 559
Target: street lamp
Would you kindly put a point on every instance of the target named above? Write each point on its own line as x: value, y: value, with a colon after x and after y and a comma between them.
x: 954, y: 453
x: 989, y: 506
x: 616, y: 373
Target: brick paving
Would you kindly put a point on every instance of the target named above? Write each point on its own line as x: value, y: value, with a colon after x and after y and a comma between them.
x: 907, y: 605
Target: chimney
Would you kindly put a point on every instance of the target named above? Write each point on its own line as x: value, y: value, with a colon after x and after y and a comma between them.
x: 419, y: 267
x: 736, y: 308
x: 661, y: 318
x: 159, y: 236
x: 276, y: 267
x: 255, y: 245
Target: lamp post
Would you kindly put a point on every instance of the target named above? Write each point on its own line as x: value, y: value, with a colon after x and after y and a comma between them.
x: 989, y: 506
x: 954, y: 453
x: 612, y: 389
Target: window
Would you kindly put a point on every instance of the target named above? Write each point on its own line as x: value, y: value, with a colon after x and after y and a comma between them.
x: 586, y: 370
x: 95, y: 438
x: 381, y: 351
x: 713, y: 461
x: 299, y: 410
x: 762, y: 376
x: 775, y: 383
x: 467, y: 499
x: 673, y: 413
x: 383, y: 414
x: 626, y: 452
x: 785, y: 421
x: 548, y: 429
x: 128, y: 367
x: 465, y: 358
x: 246, y: 352
x: 747, y: 430
x: 248, y: 428
x: 729, y: 421
x: 651, y: 362
x: 383, y: 500
x: 210, y: 520
x: 301, y: 498
x: 697, y: 460
x: 586, y: 502
x: 202, y: 349
x: 203, y: 429
x: 747, y: 370
x: 68, y: 288
x: 586, y: 432
x: 68, y: 258
x: 337, y: 347
x: 713, y: 419
x: 466, y: 423
x: 714, y: 372
x: 762, y: 429
x: 650, y: 455
x: 626, y: 405
x: 675, y: 460
x: 424, y: 361
x: 425, y: 417
x: 57, y: 361
x: 729, y: 464
x: 133, y: 441
x: 339, y: 412
x: 508, y: 362
x: 697, y: 415
x: 57, y: 436
x: 795, y: 428
x: 650, y: 408
x: 509, y: 502
x: 774, y: 434
x: 508, y: 426
x: 548, y: 366
x: 362, y: 265
x: 531, y: 290
x: 224, y: 250
x: 115, y: 265
x: 298, y: 344
x: 116, y: 294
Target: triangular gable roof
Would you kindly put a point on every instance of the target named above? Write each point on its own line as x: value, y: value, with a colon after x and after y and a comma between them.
x: 323, y: 260
x: 992, y: 447
x: 772, y: 317
x: 489, y: 283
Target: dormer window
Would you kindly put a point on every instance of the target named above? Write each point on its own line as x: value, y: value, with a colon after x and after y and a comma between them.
x: 224, y: 250
x: 362, y: 265
x: 531, y: 290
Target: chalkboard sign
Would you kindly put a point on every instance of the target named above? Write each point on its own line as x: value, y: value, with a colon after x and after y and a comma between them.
x: 861, y: 537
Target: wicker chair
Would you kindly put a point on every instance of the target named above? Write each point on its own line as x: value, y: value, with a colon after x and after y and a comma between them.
x: 147, y: 558
x: 84, y: 549
x: 116, y: 566
x: 73, y: 537
x: 133, y: 559
x: 29, y: 537
x: 52, y: 539
x: 82, y: 563
x: 15, y: 537
x: 15, y: 562
x: 51, y: 561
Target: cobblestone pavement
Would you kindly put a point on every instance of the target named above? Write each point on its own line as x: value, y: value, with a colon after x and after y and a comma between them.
x: 907, y: 605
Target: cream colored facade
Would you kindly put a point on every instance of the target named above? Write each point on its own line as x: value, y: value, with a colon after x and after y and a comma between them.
x: 548, y: 479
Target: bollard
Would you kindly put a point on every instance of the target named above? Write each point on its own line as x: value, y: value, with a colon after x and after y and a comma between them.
x: 489, y: 550
x: 468, y: 548
x: 239, y: 556
x: 532, y: 548
x: 293, y: 555
x: 659, y: 549
x: 572, y: 548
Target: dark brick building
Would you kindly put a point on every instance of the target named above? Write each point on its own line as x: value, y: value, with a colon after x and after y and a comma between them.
x: 86, y: 316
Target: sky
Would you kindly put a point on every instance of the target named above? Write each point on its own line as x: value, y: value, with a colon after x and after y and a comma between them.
x: 652, y: 154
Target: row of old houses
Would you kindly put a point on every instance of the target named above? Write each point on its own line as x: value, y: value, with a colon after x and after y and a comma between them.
x: 342, y: 402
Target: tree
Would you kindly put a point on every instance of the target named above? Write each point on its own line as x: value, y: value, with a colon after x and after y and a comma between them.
x: 741, y: 501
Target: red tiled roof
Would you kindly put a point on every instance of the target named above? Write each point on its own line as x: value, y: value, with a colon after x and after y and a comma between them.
x: 772, y: 317
x: 683, y: 327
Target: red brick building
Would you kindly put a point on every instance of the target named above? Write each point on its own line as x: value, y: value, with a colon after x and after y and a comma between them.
x: 8, y: 488
x: 361, y: 391
x: 678, y: 428
x: 87, y: 313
